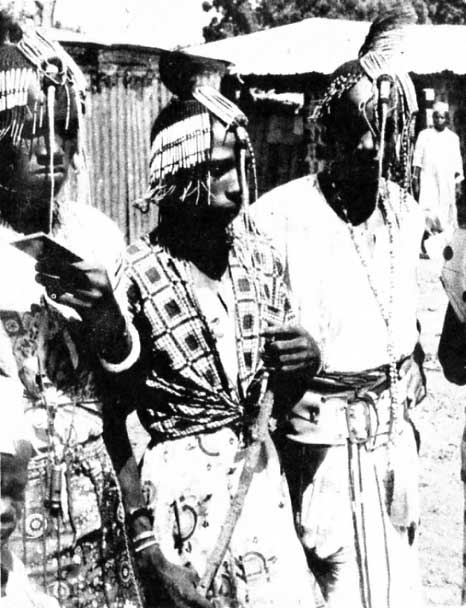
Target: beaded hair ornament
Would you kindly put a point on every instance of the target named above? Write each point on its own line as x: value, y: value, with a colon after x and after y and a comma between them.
x: 181, y: 139
x: 378, y: 60
x: 29, y: 60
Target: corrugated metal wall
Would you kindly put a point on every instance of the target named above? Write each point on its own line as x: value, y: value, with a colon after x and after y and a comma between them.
x: 122, y: 109
x: 125, y: 97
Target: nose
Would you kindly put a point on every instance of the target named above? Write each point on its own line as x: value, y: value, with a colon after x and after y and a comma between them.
x: 234, y: 187
x: 44, y: 152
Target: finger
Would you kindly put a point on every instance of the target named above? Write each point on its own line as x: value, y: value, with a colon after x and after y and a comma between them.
x: 71, y: 276
x: 90, y: 296
x: 60, y: 286
x: 47, y: 279
x: 293, y: 368
x: 296, y: 358
x: 78, y: 274
x: 69, y: 300
x: 52, y: 286
x: 281, y: 331
x: 294, y: 345
x: 52, y: 264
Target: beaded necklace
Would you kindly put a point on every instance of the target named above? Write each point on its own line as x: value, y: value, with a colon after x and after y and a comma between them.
x: 386, y: 312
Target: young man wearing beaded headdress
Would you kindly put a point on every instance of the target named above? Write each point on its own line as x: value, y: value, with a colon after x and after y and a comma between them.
x: 349, y: 238
x: 72, y: 538
x: 206, y: 292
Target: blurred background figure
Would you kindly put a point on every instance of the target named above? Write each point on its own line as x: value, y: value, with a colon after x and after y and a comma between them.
x: 438, y: 173
x: 15, y: 450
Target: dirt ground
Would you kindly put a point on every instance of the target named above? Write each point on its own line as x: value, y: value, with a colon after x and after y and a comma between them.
x: 440, y: 419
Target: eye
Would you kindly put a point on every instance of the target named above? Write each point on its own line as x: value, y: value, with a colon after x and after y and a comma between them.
x: 218, y: 168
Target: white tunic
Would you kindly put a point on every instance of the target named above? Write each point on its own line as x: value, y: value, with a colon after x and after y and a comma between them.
x: 332, y: 294
x: 438, y: 155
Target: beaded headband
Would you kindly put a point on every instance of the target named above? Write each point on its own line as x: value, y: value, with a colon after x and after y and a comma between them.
x: 34, y: 61
x: 29, y: 60
x: 181, y: 138
x: 378, y: 56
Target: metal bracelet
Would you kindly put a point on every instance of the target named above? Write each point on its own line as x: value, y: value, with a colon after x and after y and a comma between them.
x: 146, y: 545
x: 143, y: 536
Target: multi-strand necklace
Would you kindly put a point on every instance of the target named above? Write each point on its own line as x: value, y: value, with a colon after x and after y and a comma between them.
x: 386, y: 310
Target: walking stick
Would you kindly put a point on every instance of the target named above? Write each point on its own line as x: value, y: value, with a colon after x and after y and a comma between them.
x: 463, y: 478
x: 259, y: 434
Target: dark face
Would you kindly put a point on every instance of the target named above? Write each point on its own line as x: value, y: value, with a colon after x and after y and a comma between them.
x: 194, y: 226
x: 13, y: 484
x: 219, y: 201
x: 357, y: 149
x: 225, y: 188
x: 440, y: 120
x: 354, y: 135
x: 25, y: 167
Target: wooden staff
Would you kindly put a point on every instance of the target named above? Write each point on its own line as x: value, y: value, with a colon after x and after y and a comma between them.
x: 259, y: 434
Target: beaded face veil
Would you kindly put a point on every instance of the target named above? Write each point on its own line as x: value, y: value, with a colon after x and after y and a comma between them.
x: 29, y: 61
x: 182, y: 140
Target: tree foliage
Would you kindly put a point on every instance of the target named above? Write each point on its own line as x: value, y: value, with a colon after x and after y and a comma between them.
x: 234, y: 17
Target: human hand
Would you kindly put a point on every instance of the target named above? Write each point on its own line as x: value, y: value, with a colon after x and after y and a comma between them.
x: 166, y: 584
x: 412, y: 378
x: 291, y: 350
x: 86, y: 287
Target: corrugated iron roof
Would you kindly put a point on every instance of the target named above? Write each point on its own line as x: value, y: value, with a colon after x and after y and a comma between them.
x: 321, y: 45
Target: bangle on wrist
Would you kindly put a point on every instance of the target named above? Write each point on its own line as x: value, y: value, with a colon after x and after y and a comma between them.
x: 143, y: 536
x: 146, y: 545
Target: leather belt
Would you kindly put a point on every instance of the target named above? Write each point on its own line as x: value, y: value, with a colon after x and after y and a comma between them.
x: 328, y: 415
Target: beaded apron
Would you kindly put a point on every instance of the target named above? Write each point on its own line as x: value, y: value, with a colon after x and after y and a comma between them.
x: 81, y: 557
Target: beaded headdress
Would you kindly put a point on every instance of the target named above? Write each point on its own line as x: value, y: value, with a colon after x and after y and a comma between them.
x: 34, y: 59
x: 30, y: 60
x: 378, y: 59
x: 181, y: 137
